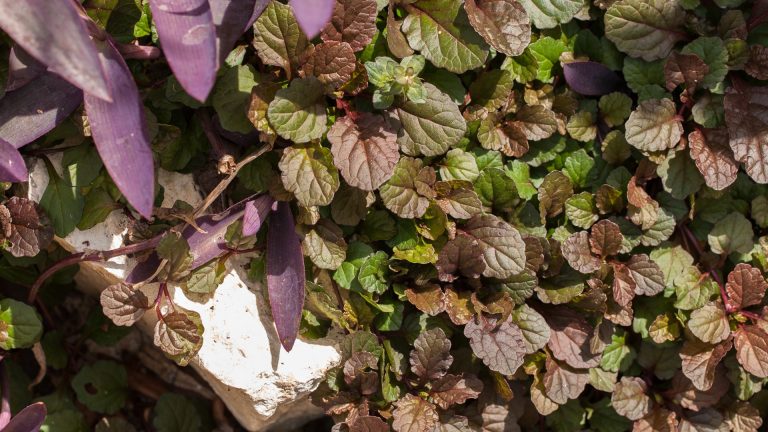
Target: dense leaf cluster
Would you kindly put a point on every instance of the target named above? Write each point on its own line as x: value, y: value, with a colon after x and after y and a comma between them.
x: 522, y: 214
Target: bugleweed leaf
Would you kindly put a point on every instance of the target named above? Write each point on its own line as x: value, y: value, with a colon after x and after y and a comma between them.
x: 629, y: 398
x: 569, y: 339
x: 751, y: 343
x: 20, y: 325
x: 353, y: 22
x: 654, y: 125
x: 500, y: 346
x: 747, y: 118
x: 277, y: 37
x: 308, y: 172
x: 414, y: 414
x: 709, y: 324
x: 298, y: 112
x: 119, y: 130
x: 503, y: 248
x: 27, y: 228
x: 745, y: 287
x: 440, y: 30
x: 431, y: 356
x: 364, y: 149
x: 700, y: 360
x: 714, y: 158
x: 123, y: 304
x: 407, y: 192
x: 73, y: 56
x: 332, y: 63
x: 188, y: 38
x: 645, y: 28
x: 285, y: 274
x: 180, y: 335
x: 431, y: 127
x: 503, y: 24
x: 455, y: 390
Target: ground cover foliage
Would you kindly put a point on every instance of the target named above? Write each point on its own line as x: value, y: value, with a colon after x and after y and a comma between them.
x: 521, y: 214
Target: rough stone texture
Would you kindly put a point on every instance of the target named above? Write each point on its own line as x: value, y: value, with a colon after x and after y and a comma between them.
x: 265, y: 387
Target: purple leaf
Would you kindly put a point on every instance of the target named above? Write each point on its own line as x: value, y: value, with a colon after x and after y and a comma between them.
x: 12, y: 167
x: 30, y: 419
x: 285, y: 274
x: 590, y: 78
x: 312, y: 15
x: 30, y: 112
x: 54, y: 33
x: 255, y: 213
x: 232, y: 18
x: 209, y: 245
x: 22, y: 68
x: 119, y: 130
x: 188, y: 39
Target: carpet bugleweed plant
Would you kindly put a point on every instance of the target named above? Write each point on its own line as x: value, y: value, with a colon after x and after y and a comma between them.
x: 520, y: 214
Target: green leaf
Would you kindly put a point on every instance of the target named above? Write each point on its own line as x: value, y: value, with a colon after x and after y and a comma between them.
x: 102, y: 386
x: 523, y: 67
x: 496, y: 189
x: 580, y: 210
x: 582, y: 127
x: 679, y: 175
x: 712, y: 50
x: 440, y: 30
x: 63, y: 203
x: 693, y: 291
x: 432, y: 127
x: 308, y: 172
x: 232, y: 95
x: 673, y: 262
x: 298, y: 112
x: 403, y: 192
x: 20, y: 325
x: 641, y: 75
x: 459, y: 165
x: 547, y: 53
x: 645, y: 28
x: 578, y: 167
x: 176, y: 413
x: 374, y: 273
x: 618, y: 356
x: 710, y: 323
x: 732, y: 234
x: 615, y: 108
x: 325, y: 245
x: 174, y: 248
x: 654, y: 125
x: 549, y: 13
x: 278, y: 39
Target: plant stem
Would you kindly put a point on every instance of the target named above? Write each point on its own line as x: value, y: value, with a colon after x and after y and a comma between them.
x: 90, y: 256
x: 226, y: 181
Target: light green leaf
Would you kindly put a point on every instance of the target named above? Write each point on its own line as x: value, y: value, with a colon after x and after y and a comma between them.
x: 308, y: 171
x: 20, y: 325
x: 547, y: 53
x: 232, y: 95
x: 581, y: 210
x: 440, y: 30
x: 459, y: 165
x: 732, y: 234
x: 298, y: 112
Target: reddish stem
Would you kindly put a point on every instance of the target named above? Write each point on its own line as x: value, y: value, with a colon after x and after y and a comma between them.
x: 85, y: 257
x: 347, y: 107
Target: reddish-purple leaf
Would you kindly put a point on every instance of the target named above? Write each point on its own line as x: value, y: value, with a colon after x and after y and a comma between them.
x: 30, y: 112
x: 188, y: 38
x: 119, y: 130
x: 590, y: 78
x: 28, y: 420
x: 22, y: 68
x: 312, y: 15
x: 256, y: 211
x: 64, y: 47
x: 12, y: 167
x: 232, y: 18
x: 285, y: 274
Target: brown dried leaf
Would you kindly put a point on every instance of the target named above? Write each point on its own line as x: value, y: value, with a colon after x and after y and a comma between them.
x: 458, y: 306
x: 714, y: 159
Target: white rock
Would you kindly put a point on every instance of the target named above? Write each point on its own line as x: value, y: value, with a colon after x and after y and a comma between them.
x: 265, y: 387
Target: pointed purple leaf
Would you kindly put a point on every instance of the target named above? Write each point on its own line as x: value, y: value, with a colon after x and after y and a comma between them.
x: 54, y: 33
x: 188, y: 39
x: 255, y: 213
x: 210, y: 244
x: 12, y: 166
x: 590, y: 78
x: 32, y: 111
x: 285, y: 274
x: 207, y: 246
x: 119, y: 130
x: 22, y: 68
x: 30, y: 419
x: 232, y: 18
x: 312, y: 15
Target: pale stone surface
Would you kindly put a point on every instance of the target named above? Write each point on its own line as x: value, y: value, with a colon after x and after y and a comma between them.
x: 265, y: 387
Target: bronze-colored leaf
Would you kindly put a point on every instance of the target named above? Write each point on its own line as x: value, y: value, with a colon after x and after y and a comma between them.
x: 714, y: 159
x: 123, y: 304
